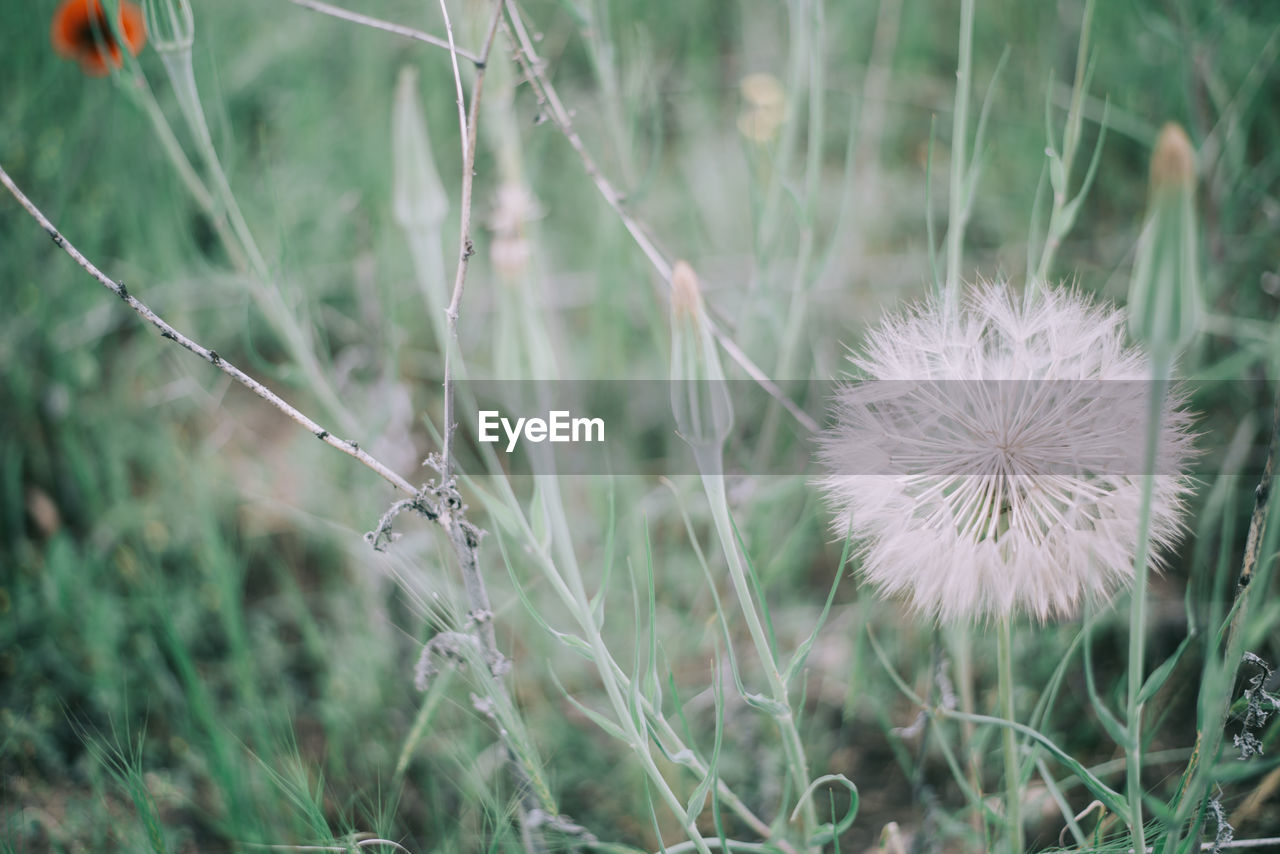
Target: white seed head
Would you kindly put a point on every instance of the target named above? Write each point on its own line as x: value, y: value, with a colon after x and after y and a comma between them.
x: 992, y: 461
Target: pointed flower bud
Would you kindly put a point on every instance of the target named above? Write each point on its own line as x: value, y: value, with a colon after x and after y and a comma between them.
x: 419, y: 200
x: 1164, y: 293
x: 699, y: 396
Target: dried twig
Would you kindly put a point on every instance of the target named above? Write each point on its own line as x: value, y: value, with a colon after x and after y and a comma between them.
x: 1262, y: 494
x: 463, y: 535
x: 347, y: 446
x: 385, y: 26
x: 467, y: 122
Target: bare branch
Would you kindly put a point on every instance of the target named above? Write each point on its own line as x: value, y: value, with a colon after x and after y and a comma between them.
x: 463, y: 535
x: 385, y: 26
x: 168, y: 332
x: 549, y: 99
x: 467, y: 122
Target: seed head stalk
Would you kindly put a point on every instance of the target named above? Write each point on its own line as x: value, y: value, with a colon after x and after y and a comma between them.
x: 1012, y: 770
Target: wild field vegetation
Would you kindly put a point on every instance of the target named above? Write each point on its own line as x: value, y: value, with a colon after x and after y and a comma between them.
x: 219, y: 633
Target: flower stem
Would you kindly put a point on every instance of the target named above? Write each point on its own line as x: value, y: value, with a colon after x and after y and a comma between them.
x: 711, y: 466
x: 1012, y: 774
x: 958, y: 203
x: 1138, y: 609
x: 629, y: 711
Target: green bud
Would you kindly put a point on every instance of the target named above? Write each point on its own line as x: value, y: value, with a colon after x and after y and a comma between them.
x: 1164, y: 293
x: 699, y: 397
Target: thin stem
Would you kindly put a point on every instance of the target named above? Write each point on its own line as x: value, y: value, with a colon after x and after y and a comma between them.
x: 1138, y: 608
x: 961, y: 643
x: 467, y: 120
x: 623, y: 711
x: 1075, y: 118
x: 798, y: 51
x: 140, y: 92
x: 464, y: 536
x: 166, y: 331
x: 1012, y: 774
x: 957, y: 203
x: 282, y: 317
x: 623, y: 696
x: 547, y: 96
x: 1058, y: 226
x: 580, y: 607
x: 386, y: 26
x: 710, y: 464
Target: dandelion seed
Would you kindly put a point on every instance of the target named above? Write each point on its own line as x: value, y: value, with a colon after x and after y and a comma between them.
x: 82, y: 32
x: 992, y: 461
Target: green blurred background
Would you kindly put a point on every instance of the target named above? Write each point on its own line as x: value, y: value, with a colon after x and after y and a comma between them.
x: 199, y: 652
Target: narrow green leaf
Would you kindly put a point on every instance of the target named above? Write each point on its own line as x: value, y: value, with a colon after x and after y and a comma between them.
x: 802, y: 652
x: 598, y: 719
x: 1161, y: 674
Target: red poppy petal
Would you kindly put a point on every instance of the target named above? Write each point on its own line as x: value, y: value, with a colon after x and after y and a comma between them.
x: 80, y: 31
x: 68, y: 21
x: 133, y: 27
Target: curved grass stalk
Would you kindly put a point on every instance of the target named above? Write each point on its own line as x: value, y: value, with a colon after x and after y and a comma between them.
x: 958, y: 196
x: 566, y: 581
x: 710, y: 464
x: 266, y: 293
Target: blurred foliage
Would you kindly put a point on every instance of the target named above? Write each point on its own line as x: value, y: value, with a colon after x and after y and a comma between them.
x: 198, y: 651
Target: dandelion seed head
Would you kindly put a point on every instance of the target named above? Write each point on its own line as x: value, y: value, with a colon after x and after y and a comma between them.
x: 991, y: 461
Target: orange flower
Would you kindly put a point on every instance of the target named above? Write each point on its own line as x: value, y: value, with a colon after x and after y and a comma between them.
x: 81, y: 32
